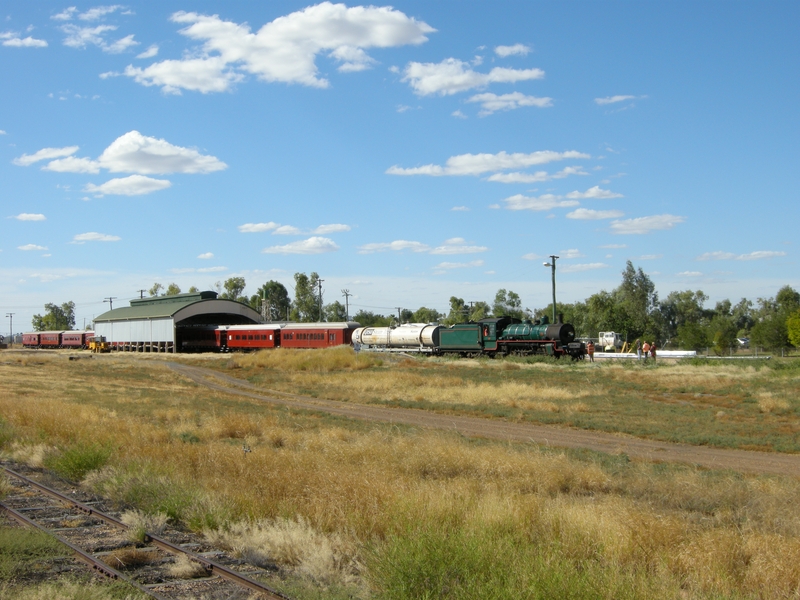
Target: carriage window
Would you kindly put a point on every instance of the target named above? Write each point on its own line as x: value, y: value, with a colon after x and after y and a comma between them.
x: 249, y: 337
x: 238, y: 337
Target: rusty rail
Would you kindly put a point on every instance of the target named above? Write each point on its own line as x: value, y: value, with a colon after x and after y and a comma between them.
x: 209, y: 565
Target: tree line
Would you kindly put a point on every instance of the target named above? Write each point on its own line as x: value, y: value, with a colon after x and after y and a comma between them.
x: 632, y: 309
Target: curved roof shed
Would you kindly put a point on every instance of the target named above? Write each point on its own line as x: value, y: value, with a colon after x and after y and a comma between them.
x: 156, y: 323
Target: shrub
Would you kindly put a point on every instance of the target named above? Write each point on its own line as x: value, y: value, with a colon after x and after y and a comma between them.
x: 75, y: 462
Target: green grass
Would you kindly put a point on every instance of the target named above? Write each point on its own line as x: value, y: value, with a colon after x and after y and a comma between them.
x: 75, y: 462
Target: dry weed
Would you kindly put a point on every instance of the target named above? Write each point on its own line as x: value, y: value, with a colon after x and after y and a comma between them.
x: 186, y: 568
x: 124, y: 558
x: 140, y: 524
x: 768, y: 403
x: 31, y: 455
x: 294, y: 545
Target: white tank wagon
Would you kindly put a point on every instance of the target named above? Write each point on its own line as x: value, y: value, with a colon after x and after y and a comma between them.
x: 409, y: 337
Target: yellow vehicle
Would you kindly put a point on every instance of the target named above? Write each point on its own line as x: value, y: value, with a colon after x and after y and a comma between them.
x: 99, y: 344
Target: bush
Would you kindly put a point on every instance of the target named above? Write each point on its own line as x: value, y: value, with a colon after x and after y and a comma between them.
x: 74, y: 463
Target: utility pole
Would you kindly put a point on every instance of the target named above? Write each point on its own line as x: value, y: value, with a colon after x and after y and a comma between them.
x: 552, y: 265
x: 10, y: 328
x: 110, y: 301
x: 346, y: 294
x: 141, y: 294
x: 319, y: 283
x: 399, y: 308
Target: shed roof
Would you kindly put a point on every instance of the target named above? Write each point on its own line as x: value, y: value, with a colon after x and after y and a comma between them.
x: 180, y: 307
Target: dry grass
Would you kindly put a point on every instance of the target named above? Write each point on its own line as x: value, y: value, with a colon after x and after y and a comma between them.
x: 128, y: 558
x: 140, y: 524
x: 186, y: 568
x: 294, y: 545
x: 313, y: 494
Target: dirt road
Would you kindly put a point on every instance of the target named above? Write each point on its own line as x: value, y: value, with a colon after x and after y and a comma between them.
x: 714, y: 458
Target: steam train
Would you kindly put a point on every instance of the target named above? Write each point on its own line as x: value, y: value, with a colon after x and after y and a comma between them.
x: 500, y: 337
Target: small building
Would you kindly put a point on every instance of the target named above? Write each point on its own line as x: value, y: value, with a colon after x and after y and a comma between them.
x: 161, y: 323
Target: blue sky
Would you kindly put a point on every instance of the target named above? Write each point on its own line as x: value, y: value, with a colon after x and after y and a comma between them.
x: 407, y: 152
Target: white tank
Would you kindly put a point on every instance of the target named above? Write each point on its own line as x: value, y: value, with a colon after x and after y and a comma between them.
x: 409, y: 335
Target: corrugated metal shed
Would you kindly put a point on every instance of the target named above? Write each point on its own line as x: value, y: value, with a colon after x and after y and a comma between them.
x: 155, y: 324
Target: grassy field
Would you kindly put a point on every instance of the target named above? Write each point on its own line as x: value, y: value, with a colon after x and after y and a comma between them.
x: 350, y: 509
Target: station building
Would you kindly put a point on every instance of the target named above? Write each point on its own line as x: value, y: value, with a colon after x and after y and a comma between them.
x: 161, y: 323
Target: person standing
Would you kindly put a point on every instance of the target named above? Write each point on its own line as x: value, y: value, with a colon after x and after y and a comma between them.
x: 638, y: 349
x: 590, y: 351
x: 653, y: 351
x: 645, y: 350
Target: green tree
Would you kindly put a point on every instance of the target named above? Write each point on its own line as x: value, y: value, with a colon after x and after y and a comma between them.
x: 677, y: 309
x: 234, y: 286
x: 173, y: 289
x: 459, y: 313
x: 722, y: 334
x: 793, y: 328
x: 156, y: 290
x: 479, y: 310
x: 193, y: 289
x: 770, y: 329
x: 507, y: 304
x: 692, y: 336
x: 306, y: 298
x: 369, y: 319
x: 277, y: 299
x: 636, y: 298
x: 426, y: 315
x: 56, y: 318
x: 335, y: 312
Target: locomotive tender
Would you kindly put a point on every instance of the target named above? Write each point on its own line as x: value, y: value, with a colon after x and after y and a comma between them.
x: 501, y: 336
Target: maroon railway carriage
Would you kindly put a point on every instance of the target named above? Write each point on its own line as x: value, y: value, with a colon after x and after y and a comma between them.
x: 248, y: 337
x: 30, y: 340
x: 317, y: 335
x: 50, y: 339
x: 76, y: 339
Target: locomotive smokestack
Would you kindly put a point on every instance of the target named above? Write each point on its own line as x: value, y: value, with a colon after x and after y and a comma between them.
x: 560, y: 318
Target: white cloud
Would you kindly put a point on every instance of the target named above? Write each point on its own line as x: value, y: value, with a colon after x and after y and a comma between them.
x: 586, y: 214
x: 257, y: 227
x: 93, y: 236
x: 458, y: 114
x: 212, y: 269
x: 287, y: 230
x: 30, y: 217
x: 651, y: 256
x: 29, y: 247
x: 14, y: 41
x: 313, y: 245
x: 80, y: 37
x: 331, y: 228
x: 133, y: 185
x: 151, y: 51
x: 2, y: 132
x: 44, y: 154
x: 644, y: 225
x: 758, y: 255
x: 452, y: 76
x: 205, y: 255
x: 690, y: 274
x: 93, y: 14
x: 121, y: 45
x: 452, y: 265
x: 397, y: 246
x: 531, y: 256
x: 516, y: 49
x: 582, y: 267
x: 460, y: 209
x: 613, y: 99
x: 491, y: 103
x: 537, y: 177
x: 477, y: 164
x: 137, y: 153
x: 572, y: 253
x: 544, y: 202
x: 71, y: 164
x: 458, y: 246
x: 66, y: 14
x: 593, y: 193
x: 284, y: 50
x: 614, y: 246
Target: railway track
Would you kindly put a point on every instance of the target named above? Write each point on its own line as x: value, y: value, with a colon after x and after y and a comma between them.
x: 103, y: 542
